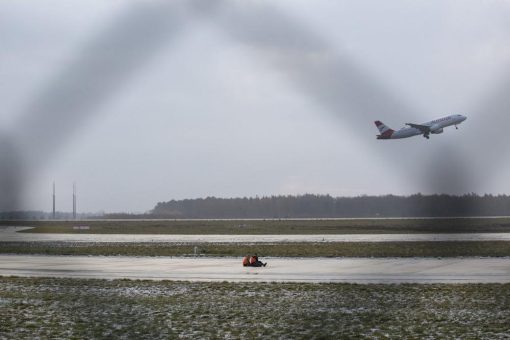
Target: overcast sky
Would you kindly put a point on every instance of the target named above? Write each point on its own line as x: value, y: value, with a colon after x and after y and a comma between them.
x: 242, y: 98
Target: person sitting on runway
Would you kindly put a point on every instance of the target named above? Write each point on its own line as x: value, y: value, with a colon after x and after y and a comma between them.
x: 254, y: 261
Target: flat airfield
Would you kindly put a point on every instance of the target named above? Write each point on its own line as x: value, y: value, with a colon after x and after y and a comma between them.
x: 15, y: 234
x: 453, y: 283
x: 350, y: 270
x: 252, y: 235
x: 270, y: 226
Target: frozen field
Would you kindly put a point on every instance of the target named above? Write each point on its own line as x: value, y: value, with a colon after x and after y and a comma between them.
x: 60, y: 308
x: 355, y: 270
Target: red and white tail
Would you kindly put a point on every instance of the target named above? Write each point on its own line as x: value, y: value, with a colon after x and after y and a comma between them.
x: 385, y: 131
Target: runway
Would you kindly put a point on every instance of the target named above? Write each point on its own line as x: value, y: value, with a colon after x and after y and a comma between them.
x: 11, y: 234
x: 352, y: 270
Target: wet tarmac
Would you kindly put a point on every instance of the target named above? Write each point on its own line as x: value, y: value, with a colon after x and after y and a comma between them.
x: 353, y: 270
x: 11, y: 234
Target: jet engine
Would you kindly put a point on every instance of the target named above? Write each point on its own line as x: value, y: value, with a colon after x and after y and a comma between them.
x: 436, y: 130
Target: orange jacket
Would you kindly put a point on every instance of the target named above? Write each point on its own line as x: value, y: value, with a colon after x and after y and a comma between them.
x: 253, y: 259
x: 246, y: 260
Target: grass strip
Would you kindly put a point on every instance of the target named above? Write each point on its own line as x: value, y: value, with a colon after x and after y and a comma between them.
x: 326, y: 249
x: 258, y: 227
x: 77, y: 308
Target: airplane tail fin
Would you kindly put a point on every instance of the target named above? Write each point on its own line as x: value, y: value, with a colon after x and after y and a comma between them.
x: 385, y: 131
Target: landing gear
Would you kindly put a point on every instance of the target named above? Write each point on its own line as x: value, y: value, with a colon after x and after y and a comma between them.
x: 456, y: 127
x: 426, y: 135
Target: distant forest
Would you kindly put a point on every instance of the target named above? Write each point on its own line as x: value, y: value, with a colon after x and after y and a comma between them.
x: 306, y: 206
x: 325, y: 206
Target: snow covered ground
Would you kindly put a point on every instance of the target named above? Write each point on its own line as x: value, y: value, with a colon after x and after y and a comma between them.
x: 52, y: 308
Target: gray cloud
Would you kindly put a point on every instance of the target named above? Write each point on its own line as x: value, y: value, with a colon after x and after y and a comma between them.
x: 97, y: 73
x: 340, y: 85
x: 315, y: 68
x: 312, y: 66
x: 11, y: 175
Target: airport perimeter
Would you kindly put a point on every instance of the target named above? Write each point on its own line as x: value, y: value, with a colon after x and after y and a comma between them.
x: 204, y: 296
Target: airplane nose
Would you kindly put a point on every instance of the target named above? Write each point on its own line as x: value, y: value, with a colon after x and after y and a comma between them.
x: 462, y: 118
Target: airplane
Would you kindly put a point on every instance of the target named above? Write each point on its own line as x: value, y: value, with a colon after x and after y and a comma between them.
x: 435, y: 126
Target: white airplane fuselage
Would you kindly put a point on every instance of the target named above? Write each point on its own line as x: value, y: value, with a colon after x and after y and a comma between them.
x: 435, y: 126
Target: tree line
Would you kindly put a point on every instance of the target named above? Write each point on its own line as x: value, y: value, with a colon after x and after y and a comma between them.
x: 326, y: 206
x: 306, y: 206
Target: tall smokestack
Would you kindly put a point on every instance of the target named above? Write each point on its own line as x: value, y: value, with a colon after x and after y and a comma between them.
x: 74, y: 200
x: 53, y: 199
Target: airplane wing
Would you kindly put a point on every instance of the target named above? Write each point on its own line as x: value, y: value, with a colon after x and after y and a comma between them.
x: 422, y: 128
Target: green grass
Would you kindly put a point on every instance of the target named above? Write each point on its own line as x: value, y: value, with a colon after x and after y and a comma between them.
x: 353, y: 226
x: 75, y: 308
x: 328, y: 249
